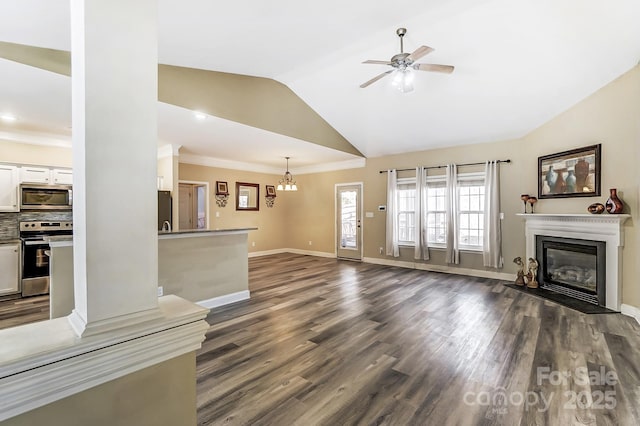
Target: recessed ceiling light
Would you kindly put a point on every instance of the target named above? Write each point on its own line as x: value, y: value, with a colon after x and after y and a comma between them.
x: 7, y: 117
x: 200, y: 115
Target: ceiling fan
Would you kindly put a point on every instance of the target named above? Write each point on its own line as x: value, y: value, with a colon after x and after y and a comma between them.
x: 403, y: 64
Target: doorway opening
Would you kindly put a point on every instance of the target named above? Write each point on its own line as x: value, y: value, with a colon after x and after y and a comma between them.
x: 193, y: 204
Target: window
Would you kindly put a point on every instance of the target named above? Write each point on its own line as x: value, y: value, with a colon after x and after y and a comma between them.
x: 470, y: 211
x: 436, y: 212
x: 406, y: 211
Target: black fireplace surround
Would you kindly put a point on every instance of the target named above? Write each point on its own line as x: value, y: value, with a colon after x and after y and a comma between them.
x: 573, y: 267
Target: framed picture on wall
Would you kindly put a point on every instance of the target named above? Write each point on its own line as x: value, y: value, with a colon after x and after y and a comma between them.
x: 574, y: 173
x: 271, y: 191
x: 222, y: 188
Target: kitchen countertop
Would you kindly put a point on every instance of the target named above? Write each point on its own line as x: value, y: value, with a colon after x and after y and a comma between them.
x: 67, y: 240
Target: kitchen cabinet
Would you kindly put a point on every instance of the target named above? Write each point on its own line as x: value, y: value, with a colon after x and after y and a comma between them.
x: 8, y: 188
x: 10, y: 267
x: 62, y: 176
x: 32, y: 174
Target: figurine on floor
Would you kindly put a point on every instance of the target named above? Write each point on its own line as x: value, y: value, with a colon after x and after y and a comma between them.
x: 520, y: 280
x: 533, y: 273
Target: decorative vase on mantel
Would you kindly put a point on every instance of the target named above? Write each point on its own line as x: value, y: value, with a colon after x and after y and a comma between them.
x: 614, y: 204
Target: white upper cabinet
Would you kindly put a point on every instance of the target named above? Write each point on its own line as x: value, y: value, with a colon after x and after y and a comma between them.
x: 46, y: 175
x: 8, y: 188
x: 62, y: 176
x: 30, y: 174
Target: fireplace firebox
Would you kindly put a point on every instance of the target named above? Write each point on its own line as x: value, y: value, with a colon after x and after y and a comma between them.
x: 573, y: 267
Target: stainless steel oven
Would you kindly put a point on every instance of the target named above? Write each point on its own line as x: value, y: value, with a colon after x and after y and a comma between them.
x: 35, y: 258
x: 45, y: 197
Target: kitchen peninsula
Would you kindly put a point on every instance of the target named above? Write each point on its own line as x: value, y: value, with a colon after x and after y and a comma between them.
x: 208, y: 267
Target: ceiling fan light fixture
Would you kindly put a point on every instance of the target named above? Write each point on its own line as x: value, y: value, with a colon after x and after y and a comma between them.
x: 403, y: 64
x: 403, y: 80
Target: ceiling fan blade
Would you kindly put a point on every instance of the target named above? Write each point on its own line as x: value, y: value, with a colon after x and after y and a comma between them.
x: 420, y: 52
x: 371, y: 61
x: 433, y: 67
x: 376, y: 78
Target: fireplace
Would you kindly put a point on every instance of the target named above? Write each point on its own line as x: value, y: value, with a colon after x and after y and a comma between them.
x: 573, y: 267
x: 607, y: 229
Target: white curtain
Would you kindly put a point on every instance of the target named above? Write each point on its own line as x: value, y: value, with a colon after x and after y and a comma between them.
x: 421, y: 251
x: 453, y: 252
x: 392, y: 213
x: 492, y: 241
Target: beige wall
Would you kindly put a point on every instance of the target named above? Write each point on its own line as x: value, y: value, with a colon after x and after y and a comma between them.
x: 271, y: 222
x: 160, y: 395
x: 203, y: 267
x: 23, y: 153
x: 609, y: 116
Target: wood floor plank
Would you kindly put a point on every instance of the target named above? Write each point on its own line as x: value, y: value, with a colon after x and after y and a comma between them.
x: 330, y: 342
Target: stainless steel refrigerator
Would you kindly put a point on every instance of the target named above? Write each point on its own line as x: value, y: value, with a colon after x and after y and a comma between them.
x: 164, y: 208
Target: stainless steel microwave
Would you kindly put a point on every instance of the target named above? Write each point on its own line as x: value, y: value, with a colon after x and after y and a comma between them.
x: 45, y: 197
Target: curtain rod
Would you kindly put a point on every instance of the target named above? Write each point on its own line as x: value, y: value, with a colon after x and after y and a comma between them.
x: 442, y: 167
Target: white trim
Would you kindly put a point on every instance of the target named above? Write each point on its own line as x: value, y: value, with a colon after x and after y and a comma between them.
x: 442, y: 268
x: 201, y: 160
x: 37, y: 138
x: 356, y: 163
x: 44, y: 362
x: 399, y: 263
x: 226, y: 299
x: 608, y: 228
x: 631, y: 311
x: 293, y: 251
x: 169, y: 150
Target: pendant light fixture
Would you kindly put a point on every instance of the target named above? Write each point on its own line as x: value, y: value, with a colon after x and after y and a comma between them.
x: 287, y: 183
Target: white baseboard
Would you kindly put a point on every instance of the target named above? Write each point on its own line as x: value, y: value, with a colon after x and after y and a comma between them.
x: 224, y: 300
x: 631, y: 311
x: 442, y: 268
x: 399, y: 263
x: 294, y: 251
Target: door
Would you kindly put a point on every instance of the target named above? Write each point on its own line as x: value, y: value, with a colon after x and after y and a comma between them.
x: 192, y: 201
x: 186, y: 200
x: 349, y: 221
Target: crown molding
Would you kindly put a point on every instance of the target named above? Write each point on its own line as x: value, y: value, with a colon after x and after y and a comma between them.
x: 261, y: 168
x: 330, y: 167
x: 169, y: 150
x: 229, y: 164
x: 37, y: 138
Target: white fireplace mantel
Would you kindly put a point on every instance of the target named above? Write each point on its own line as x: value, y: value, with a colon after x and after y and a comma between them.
x: 605, y: 227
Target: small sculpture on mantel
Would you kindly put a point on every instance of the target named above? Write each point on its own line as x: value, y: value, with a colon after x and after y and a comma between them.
x: 520, y: 280
x: 533, y: 273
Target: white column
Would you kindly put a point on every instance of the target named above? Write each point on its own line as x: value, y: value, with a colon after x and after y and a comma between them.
x: 114, y: 95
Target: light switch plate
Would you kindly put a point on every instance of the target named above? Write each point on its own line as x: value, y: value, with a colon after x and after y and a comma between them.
x: 368, y: 214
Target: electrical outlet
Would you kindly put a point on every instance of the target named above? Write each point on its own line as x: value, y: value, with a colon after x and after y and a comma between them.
x: 310, y: 242
x: 253, y: 243
x: 217, y: 214
x: 160, y: 291
x: 381, y: 250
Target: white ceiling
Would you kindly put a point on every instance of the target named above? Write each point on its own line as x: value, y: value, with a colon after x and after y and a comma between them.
x: 518, y: 64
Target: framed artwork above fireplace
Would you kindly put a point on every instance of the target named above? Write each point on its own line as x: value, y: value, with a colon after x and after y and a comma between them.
x: 574, y: 173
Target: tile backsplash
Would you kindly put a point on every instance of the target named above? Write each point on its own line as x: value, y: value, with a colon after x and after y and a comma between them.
x: 9, y: 222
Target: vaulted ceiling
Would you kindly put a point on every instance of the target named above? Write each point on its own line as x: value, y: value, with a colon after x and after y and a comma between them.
x: 518, y: 64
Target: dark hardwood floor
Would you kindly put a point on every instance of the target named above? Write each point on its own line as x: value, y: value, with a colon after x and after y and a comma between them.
x: 23, y: 311
x: 329, y: 342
